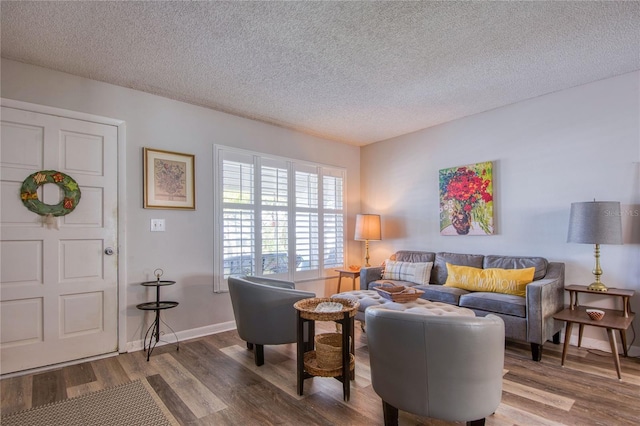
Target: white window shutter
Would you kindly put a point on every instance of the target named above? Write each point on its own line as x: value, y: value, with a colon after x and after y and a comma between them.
x: 276, y: 216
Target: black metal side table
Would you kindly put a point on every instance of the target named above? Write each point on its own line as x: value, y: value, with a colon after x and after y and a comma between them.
x: 153, y: 332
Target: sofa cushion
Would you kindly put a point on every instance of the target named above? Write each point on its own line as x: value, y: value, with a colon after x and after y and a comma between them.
x: 414, y: 272
x: 498, y: 303
x: 438, y: 293
x: 516, y: 262
x: 495, y: 280
x: 414, y: 256
x: 439, y: 271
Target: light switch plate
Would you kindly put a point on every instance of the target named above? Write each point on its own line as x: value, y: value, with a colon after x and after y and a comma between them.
x: 157, y: 225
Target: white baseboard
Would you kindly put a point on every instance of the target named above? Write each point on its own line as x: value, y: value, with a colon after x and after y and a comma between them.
x: 138, y: 345
x: 602, y: 345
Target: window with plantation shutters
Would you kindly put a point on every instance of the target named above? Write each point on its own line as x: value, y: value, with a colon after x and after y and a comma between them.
x: 238, y: 216
x: 332, y: 190
x: 307, y: 229
x: 276, y: 217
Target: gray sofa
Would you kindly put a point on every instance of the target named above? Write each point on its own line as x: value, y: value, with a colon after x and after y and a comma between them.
x: 528, y: 319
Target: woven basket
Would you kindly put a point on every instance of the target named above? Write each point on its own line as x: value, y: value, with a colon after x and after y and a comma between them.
x: 400, y: 294
x: 329, y: 350
x: 307, y: 307
x: 311, y: 366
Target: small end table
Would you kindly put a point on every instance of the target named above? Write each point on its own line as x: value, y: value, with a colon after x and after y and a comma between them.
x: 153, y: 332
x: 349, y: 274
x: 306, y: 355
x: 613, y: 319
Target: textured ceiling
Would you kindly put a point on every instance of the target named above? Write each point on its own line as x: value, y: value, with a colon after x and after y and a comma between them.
x: 355, y: 72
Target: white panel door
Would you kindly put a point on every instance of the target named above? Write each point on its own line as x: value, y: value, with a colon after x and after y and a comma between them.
x: 58, y: 287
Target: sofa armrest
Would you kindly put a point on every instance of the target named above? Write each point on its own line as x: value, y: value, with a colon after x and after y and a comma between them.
x: 369, y: 274
x: 545, y: 298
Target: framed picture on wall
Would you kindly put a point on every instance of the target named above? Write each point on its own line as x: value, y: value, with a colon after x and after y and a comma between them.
x: 466, y: 200
x: 169, y: 180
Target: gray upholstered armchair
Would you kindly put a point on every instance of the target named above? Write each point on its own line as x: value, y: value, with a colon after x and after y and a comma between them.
x: 445, y: 367
x: 264, y: 312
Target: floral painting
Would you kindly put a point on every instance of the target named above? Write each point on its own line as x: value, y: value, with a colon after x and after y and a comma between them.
x: 466, y: 200
x: 169, y: 181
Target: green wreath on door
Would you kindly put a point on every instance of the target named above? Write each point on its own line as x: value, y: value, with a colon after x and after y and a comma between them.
x: 29, y: 194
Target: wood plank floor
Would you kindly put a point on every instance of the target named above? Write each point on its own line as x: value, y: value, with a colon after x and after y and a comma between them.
x: 213, y: 381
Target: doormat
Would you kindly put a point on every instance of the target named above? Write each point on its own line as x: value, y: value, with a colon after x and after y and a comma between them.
x: 127, y: 404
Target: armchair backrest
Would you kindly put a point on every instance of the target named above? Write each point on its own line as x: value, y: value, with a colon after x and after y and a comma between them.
x: 263, y: 309
x: 266, y: 281
x: 446, y: 367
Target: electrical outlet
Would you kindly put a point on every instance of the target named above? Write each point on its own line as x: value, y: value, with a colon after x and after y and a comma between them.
x: 157, y: 225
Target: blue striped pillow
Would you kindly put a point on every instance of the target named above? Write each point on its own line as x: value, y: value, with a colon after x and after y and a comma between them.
x: 414, y: 272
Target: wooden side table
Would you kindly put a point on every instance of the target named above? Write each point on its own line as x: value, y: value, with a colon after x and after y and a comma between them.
x: 349, y: 274
x: 306, y: 357
x: 626, y: 296
x: 613, y: 319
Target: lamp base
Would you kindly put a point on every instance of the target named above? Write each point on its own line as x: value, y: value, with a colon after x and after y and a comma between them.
x: 597, y: 286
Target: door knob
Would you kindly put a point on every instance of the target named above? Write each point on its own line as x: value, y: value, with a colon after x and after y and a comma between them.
x: 108, y: 251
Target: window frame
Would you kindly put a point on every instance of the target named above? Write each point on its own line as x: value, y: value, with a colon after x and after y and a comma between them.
x: 258, y: 160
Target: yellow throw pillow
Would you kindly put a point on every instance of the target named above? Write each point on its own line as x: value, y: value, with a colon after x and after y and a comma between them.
x: 495, y: 280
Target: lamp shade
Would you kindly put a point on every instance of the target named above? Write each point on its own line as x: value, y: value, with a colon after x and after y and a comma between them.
x: 368, y: 227
x: 595, y: 222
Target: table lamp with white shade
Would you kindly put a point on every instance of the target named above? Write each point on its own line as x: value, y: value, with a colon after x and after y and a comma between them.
x: 368, y: 229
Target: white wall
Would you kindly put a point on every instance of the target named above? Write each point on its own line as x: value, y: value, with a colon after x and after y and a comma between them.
x: 574, y: 145
x: 570, y: 146
x: 185, y: 250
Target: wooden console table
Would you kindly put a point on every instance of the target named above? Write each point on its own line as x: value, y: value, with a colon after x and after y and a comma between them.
x: 613, y: 319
